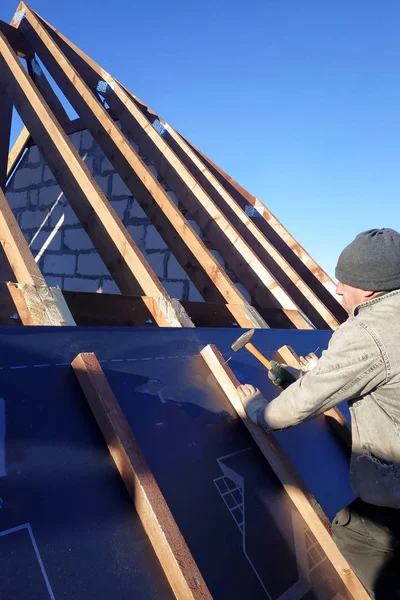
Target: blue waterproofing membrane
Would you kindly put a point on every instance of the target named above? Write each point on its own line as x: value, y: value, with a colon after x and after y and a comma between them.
x: 60, y: 478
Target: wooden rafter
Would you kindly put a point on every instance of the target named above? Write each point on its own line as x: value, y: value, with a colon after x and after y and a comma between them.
x: 313, y: 275
x: 130, y: 270
x: 280, y: 268
x: 203, y: 268
x: 295, y: 487
x: 17, y: 150
x: 16, y: 40
x: 5, y: 130
x: 236, y: 252
x: 284, y: 242
x: 170, y: 547
x: 34, y: 301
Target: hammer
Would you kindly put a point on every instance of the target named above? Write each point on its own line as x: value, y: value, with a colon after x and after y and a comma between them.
x: 244, y: 340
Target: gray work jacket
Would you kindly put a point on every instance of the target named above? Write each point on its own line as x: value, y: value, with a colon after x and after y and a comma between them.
x: 362, y: 366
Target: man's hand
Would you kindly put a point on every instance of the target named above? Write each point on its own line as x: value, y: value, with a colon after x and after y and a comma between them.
x: 282, y: 375
x: 252, y: 399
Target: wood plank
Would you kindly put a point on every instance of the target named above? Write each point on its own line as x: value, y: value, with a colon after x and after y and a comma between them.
x: 130, y: 270
x: 16, y: 248
x: 40, y: 305
x: 21, y: 144
x: 16, y: 40
x: 5, y: 130
x: 92, y: 309
x: 236, y: 252
x: 170, y: 547
x: 296, y: 489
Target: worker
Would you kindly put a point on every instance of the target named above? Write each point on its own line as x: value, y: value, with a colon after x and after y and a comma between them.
x: 361, y: 366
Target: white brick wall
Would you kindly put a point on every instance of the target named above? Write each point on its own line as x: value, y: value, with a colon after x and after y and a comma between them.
x: 118, y: 187
x: 77, y: 239
x: 70, y: 259
x: 18, y: 199
x: 59, y: 265
x: 91, y: 264
x: 154, y: 240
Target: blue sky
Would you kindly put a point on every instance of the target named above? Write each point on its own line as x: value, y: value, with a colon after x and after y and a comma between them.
x: 298, y: 100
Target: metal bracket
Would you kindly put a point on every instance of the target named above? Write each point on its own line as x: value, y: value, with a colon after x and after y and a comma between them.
x: 36, y: 68
x: 254, y: 211
x: 19, y: 16
x: 158, y: 126
x: 103, y: 87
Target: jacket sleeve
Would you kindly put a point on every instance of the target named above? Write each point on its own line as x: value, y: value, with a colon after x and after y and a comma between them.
x: 351, y: 367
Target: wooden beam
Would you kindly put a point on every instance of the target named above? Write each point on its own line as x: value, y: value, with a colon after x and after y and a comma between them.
x: 313, y: 275
x: 296, y: 489
x: 16, y: 248
x: 36, y: 304
x: 16, y: 40
x: 93, y: 309
x: 21, y: 144
x: 5, y: 130
x: 169, y: 545
x: 40, y: 305
x: 130, y: 270
x: 24, y: 140
x: 203, y: 268
x: 236, y: 252
x: 280, y: 268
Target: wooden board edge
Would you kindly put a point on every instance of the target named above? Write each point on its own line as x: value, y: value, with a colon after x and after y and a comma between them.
x: 170, y: 547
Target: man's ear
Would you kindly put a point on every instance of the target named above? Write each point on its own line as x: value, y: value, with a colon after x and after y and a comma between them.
x: 368, y: 294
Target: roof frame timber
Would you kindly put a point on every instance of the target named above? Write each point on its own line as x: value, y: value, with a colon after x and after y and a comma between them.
x: 116, y: 247
x: 64, y: 67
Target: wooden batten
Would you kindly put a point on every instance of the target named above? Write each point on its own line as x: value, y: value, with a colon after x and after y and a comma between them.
x: 169, y: 545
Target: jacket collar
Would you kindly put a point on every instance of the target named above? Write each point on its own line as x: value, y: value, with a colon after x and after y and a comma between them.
x: 382, y: 296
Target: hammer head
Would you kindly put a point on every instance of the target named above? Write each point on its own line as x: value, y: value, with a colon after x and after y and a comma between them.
x: 242, y: 340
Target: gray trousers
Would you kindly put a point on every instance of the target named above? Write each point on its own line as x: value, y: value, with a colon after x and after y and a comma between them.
x: 368, y: 536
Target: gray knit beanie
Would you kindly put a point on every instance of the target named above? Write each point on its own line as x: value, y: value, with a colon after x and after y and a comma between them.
x: 371, y: 261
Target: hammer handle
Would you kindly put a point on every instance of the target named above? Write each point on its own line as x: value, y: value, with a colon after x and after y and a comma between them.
x: 258, y: 355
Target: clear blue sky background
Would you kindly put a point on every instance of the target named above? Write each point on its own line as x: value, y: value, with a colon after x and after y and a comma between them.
x: 298, y: 100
